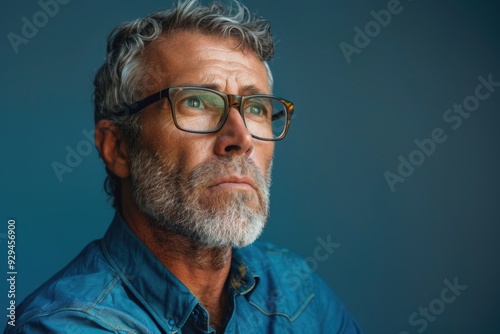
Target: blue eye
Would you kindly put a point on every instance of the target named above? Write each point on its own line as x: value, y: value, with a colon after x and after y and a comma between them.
x: 255, y: 109
x: 193, y: 102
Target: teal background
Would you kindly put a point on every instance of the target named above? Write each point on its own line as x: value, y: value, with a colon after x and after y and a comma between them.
x: 352, y: 122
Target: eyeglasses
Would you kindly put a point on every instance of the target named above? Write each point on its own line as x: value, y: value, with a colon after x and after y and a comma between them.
x: 204, y: 110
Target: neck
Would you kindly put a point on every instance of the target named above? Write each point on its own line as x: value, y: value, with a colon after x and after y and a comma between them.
x: 202, y: 270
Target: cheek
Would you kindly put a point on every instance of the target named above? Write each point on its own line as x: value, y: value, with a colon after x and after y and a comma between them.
x: 189, y: 150
x: 264, y: 155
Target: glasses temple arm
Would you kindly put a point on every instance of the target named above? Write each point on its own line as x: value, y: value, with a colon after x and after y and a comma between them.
x: 134, y: 108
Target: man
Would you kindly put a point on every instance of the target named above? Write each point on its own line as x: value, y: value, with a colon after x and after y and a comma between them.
x: 186, y: 124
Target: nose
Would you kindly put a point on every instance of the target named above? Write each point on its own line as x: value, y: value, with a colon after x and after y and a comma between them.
x: 234, y: 137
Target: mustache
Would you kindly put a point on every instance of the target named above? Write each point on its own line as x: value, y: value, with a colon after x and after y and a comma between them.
x: 241, y: 166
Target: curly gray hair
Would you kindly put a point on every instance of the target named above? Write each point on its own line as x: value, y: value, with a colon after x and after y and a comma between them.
x: 123, y: 78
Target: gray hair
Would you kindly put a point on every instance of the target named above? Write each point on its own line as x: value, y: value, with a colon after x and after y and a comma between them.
x: 123, y: 78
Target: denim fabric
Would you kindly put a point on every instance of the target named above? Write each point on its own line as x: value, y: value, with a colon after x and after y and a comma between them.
x: 117, y: 285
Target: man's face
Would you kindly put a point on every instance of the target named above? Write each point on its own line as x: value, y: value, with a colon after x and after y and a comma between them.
x: 212, y: 188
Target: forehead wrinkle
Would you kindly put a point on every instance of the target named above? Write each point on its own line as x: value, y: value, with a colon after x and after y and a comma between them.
x: 210, y: 63
x: 220, y: 78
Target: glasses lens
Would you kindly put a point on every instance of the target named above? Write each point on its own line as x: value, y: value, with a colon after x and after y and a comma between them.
x: 197, y: 109
x: 265, y: 117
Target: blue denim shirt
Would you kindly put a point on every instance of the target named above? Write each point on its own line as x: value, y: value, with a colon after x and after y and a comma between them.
x: 117, y: 285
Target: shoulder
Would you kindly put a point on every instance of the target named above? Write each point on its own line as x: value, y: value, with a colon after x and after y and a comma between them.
x: 71, y: 297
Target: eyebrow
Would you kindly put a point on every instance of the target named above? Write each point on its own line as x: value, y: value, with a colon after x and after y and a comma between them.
x: 252, y: 90
x: 247, y: 90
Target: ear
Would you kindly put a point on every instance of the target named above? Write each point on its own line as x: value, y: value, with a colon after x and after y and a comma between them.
x: 112, y: 148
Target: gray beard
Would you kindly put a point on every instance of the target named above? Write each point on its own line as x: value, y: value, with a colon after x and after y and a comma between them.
x: 183, y: 206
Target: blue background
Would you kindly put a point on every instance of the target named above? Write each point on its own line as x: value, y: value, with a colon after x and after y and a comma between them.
x: 353, y: 121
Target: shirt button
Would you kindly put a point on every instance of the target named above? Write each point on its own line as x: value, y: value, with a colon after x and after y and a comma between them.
x: 171, y: 322
x: 195, y: 312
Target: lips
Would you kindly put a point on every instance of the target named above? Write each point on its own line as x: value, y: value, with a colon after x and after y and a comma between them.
x: 236, y: 180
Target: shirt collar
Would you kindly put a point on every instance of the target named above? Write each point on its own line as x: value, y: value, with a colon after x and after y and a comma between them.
x: 241, y: 276
x: 167, y: 299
